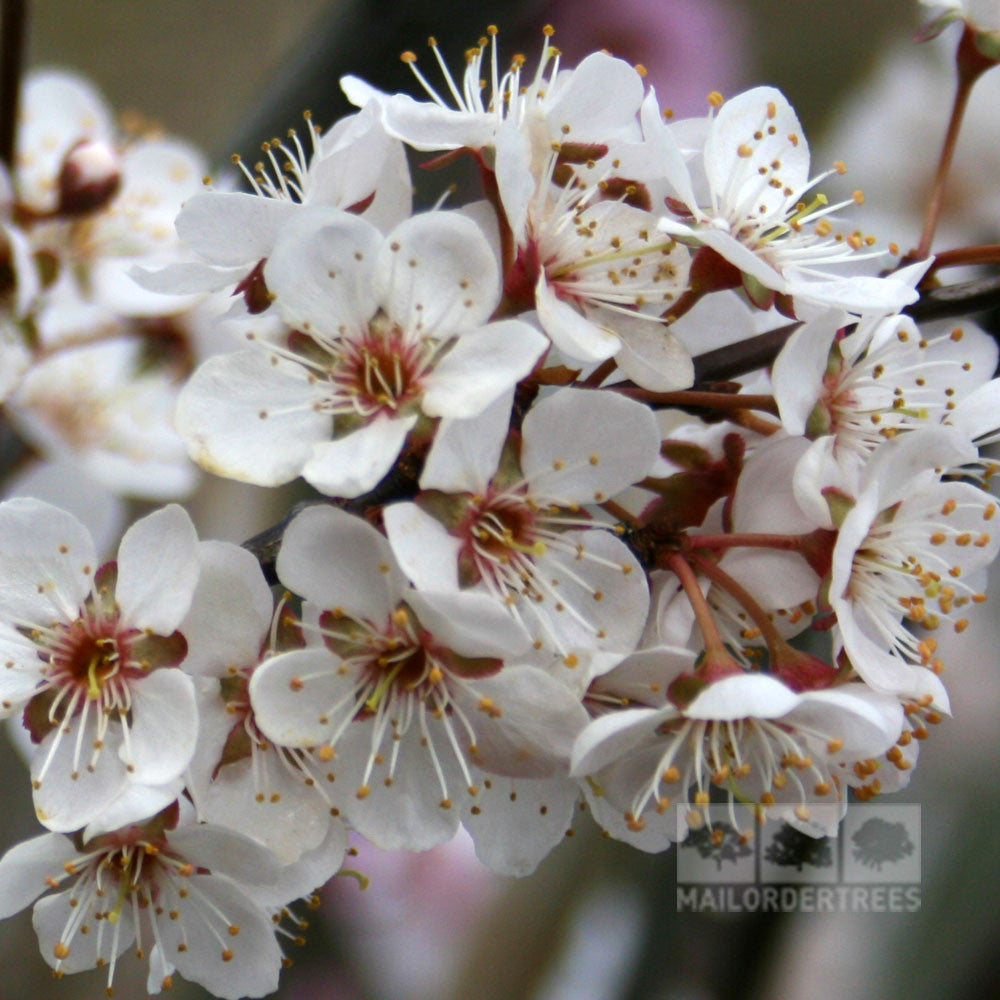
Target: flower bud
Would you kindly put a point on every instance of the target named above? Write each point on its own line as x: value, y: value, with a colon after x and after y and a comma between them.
x: 90, y: 177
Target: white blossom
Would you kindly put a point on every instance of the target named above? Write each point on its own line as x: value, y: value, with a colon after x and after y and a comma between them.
x: 89, y: 653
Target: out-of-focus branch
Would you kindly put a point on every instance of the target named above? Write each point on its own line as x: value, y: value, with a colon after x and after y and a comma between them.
x: 13, y: 30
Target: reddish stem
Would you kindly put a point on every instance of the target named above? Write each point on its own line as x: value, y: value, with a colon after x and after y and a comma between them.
x: 988, y: 253
x: 708, y: 400
x: 737, y: 591
x: 715, y: 648
x: 969, y: 70
x: 599, y: 374
x: 750, y: 420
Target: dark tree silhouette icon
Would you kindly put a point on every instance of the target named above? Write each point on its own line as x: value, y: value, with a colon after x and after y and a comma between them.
x: 721, y: 842
x: 790, y: 848
x: 880, y: 842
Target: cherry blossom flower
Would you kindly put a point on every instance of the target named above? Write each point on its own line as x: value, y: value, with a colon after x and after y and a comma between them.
x: 393, y: 329
x: 238, y: 778
x: 406, y: 695
x: 589, y: 261
x: 94, y: 406
x: 594, y: 102
x: 882, y: 379
x: 518, y: 533
x: 748, y: 733
x: 184, y: 894
x: 903, y: 550
x: 355, y: 166
x: 93, y: 206
x: 982, y: 15
x: 757, y: 217
x: 88, y: 653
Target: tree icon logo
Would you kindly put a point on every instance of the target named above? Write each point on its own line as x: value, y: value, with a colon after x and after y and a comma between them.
x: 791, y: 848
x: 878, y: 842
x: 723, y: 843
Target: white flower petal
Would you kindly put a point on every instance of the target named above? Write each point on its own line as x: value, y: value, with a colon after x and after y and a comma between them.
x: 300, y: 698
x: 471, y: 623
x: 465, y: 453
x: 226, y: 852
x: 164, y: 726
x: 612, y: 736
x: 514, y: 823
x: 321, y: 270
x: 47, y: 561
x: 528, y: 725
x: 69, y: 797
x: 800, y: 366
x: 743, y: 696
x: 651, y: 355
x: 353, y: 465
x: 425, y: 550
x: 582, y: 445
x: 337, y: 560
x: 25, y: 868
x: 220, y: 414
x: 158, y: 570
x: 436, y: 275
x: 312, y: 870
x: 230, y: 611
x: 255, y: 960
x: 609, y: 596
x: 63, y: 483
x: 232, y: 228
x: 405, y: 813
x: 481, y: 366
x: 570, y: 331
x: 55, y: 913
x: 762, y: 111
x: 187, y: 277
x: 600, y: 97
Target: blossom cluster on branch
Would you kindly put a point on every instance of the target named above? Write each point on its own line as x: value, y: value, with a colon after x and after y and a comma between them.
x: 545, y: 573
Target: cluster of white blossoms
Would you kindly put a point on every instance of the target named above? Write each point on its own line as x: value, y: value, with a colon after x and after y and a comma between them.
x: 547, y: 571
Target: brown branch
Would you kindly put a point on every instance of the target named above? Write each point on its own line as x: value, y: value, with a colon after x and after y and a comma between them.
x: 946, y: 302
x: 13, y: 32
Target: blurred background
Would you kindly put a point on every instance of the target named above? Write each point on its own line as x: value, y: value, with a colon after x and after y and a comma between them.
x: 598, y: 921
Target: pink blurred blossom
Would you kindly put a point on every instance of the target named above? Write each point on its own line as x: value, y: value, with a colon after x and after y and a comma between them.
x: 689, y: 47
x: 415, y: 919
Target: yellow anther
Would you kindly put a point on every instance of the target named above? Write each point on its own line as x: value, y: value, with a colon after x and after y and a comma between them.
x: 633, y: 823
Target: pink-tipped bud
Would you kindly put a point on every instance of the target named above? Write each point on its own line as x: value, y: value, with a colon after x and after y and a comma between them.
x: 89, y: 179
